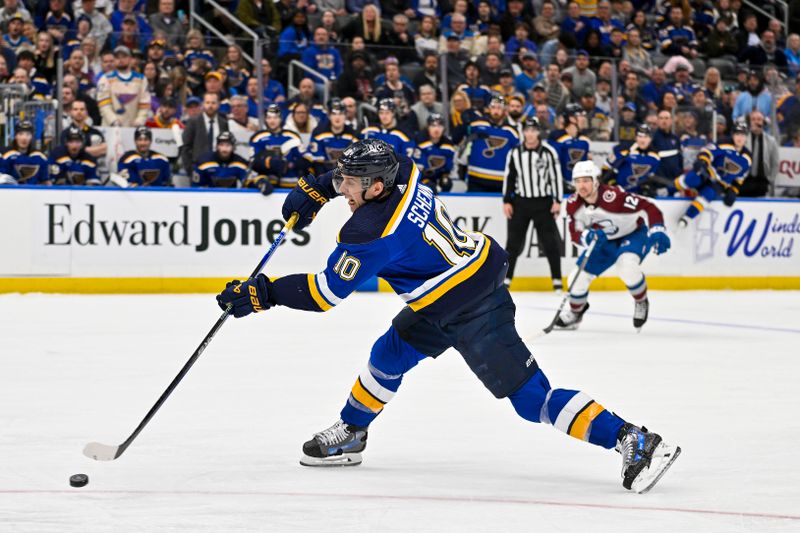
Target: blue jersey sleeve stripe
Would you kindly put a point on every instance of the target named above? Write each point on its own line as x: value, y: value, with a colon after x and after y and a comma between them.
x: 314, y: 291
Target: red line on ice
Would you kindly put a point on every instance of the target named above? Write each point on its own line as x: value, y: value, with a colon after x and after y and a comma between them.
x: 453, y: 499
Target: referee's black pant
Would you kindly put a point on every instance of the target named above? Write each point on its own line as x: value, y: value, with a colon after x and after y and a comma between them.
x: 538, y: 211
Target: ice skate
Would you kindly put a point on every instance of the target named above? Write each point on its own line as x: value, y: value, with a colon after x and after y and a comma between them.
x: 569, y: 319
x: 339, y: 445
x: 640, y: 310
x: 645, y: 458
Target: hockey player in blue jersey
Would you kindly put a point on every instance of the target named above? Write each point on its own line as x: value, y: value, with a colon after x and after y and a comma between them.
x: 451, y: 282
x: 221, y: 168
x: 434, y: 155
x: 70, y: 164
x: 329, y: 140
x: 632, y: 168
x: 490, y: 140
x: 387, y: 129
x: 273, y: 144
x: 143, y: 166
x: 571, y: 146
x: 718, y: 172
x: 20, y: 163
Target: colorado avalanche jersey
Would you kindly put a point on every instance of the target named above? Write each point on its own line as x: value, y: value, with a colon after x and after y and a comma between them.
x: 435, y: 159
x: 68, y: 170
x: 326, y: 146
x: 285, y: 144
x: 409, y: 240
x: 727, y: 164
x: 212, y: 171
x: 27, y: 169
x: 570, y: 151
x: 150, y: 168
x: 393, y: 136
x: 632, y: 166
x: 491, y: 144
x: 616, y: 212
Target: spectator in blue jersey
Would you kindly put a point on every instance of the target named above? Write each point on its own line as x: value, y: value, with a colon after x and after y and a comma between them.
x: 479, y: 94
x: 520, y: 40
x: 58, y: 23
x: 653, y: 91
x: 14, y: 39
x: 676, y: 38
x: 323, y: 57
x: 20, y: 163
x: 274, y: 92
x: 460, y: 7
x: 530, y: 74
x: 603, y: 23
x: 683, y: 87
x: 126, y: 10
x: 756, y: 96
x: 574, y: 26
x: 294, y: 38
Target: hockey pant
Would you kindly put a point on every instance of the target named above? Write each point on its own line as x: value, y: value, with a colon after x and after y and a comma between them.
x: 706, y: 192
x: 536, y: 210
x: 627, y: 253
x: 488, y: 341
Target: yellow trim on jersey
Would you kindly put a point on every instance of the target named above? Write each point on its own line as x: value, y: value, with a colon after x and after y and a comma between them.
x: 400, y: 134
x: 208, y: 164
x: 324, y: 135
x: 315, y: 294
x: 485, y: 176
x: 457, y: 278
x: 425, y: 144
x: 366, y: 398
x: 448, y: 147
x: 132, y: 157
x: 581, y: 423
x: 63, y: 159
x: 238, y: 164
x: 258, y: 136
x: 10, y: 153
x: 727, y: 147
x: 477, y: 123
x: 104, y: 102
x: 156, y: 155
x: 403, y: 204
x: 88, y: 163
x: 700, y: 207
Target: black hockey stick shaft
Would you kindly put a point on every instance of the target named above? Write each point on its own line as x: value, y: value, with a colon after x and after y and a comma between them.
x: 581, y: 267
x: 206, y: 341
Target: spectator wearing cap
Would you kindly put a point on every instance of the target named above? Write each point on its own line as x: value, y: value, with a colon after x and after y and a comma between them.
x: 506, y: 88
x: 101, y: 26
x: 478, y: 94
x: 683, y: 87
x: 676, y: 38
x: 357, y: 79
x: 401, y: 41
x: 214, y: 82
x: 193, y: 108
x: 582, y: 77
x: 166, y: 115
x: 143, y: 167
x: 429, y: 75
x: 424, y: 108
x: 628, y: 123
x: 530, y: 75
x: 14, y: 39
x: 455, y: 59
x: 156, y: 52
x: 322, y: 57
x: 125, y: 10
x: 721, y: 126
x: 122, y: 95
x: 435, y: 154
x: 394, y: 87
x: 258, y: 15
x: 164, y: 22
x: 747, y: 36
x: 129, y: 35
x: 557, y: 94
x: 200, y: 135
x: 520, y: 40
x: 756, y: 96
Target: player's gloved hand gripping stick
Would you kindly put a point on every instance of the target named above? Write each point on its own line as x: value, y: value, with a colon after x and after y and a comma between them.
x: 104, y: 452
x: 581, y: 266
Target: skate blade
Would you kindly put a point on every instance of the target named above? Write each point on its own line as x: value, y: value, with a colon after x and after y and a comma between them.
x: 347, y: 459
x: 663, y: 457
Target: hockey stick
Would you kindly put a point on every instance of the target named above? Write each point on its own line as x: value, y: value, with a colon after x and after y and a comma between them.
x: 552, y: 323
x: 104, y: 452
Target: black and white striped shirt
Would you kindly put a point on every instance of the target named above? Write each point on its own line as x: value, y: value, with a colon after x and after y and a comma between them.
x: 533, y: 173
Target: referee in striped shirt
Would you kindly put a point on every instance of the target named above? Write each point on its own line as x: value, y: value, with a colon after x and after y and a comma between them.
x: 532, y: 191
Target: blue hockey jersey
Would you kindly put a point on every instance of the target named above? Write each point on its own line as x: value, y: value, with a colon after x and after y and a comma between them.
x: 150, y: 168
x: 491, y: 144
x: 68, y: 170
x: 631, y: 166
x: 212, y: 171
x: 285, y: 144
x: 691, y: 146
x: 394, y: 137
x: 409, y: 240
x: 27, y: 169
x: 434, y: 159
x: 570, y: 151
x: 326, y: 146
x: 726, y: 164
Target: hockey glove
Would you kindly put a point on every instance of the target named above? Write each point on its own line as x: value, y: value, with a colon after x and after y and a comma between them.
x: 658, y: 240
x: 266, y: 187
x: 251, y: 296
x: 444, y: 185
x: 701, y: 169
x: 730, y: 197
x: 307, y: 198
x: 595, y: 234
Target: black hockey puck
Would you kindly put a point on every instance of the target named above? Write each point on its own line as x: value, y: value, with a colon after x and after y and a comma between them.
x: 79, y: 480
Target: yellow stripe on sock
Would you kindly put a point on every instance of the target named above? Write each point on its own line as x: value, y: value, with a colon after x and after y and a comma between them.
x: 364, y: 397
x: 580, y: 426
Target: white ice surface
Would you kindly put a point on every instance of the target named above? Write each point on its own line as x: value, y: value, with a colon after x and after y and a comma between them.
x: 222, y: 455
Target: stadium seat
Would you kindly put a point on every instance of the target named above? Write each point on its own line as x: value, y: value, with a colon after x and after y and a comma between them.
x: 699, y: 66
x: 726, y: 67
x: 410, y: 70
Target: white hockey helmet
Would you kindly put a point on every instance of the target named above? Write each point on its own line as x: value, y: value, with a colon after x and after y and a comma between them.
x: 586, y: 169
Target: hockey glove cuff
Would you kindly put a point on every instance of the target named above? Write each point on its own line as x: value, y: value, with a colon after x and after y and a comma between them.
x: 590, y: 235
x: 251, y: 296
x: 307, y: 198
x: 730, y: 196
x: 658, y: 240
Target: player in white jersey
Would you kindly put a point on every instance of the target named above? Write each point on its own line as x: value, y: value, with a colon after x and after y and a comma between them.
x: 626, y: 227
